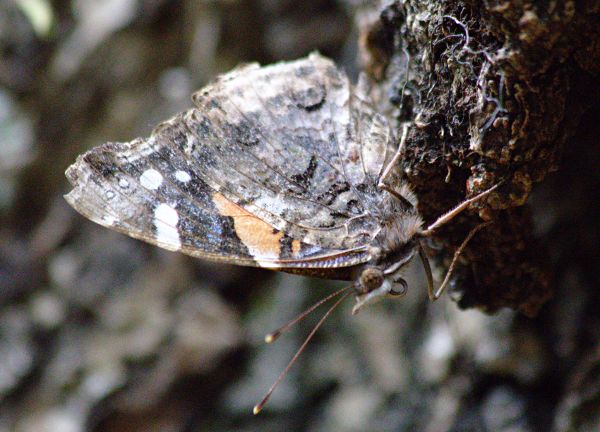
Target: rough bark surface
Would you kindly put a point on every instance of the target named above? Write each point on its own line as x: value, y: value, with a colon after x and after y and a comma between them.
x: 491, y: 91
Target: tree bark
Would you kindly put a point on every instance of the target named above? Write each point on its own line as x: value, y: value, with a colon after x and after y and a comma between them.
x: 491, y: 91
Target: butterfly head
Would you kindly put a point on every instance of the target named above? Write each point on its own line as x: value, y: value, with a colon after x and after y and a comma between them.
x: 390, y: 252
x: 373, y: 285
x: 382, y: 280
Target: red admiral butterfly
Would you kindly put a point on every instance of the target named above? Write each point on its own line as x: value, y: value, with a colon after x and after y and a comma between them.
x: 287, y: 167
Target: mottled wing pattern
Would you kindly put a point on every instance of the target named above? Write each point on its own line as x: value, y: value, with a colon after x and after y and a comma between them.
x: 276, y: 167
x: 150, y: 192
x: 293, y: 144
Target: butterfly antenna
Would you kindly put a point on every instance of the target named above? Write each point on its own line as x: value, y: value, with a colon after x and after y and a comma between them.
x: 258, y: 407
x: 273, y: 336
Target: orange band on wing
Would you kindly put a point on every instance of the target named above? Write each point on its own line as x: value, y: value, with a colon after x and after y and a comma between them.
x: 258, y: 236
x: 296, y: 245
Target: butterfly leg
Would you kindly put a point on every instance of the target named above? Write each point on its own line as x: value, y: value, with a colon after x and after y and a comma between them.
x: 427, y: 268
x: 451, y: 214
x: 435, y: 294
x: 442, y: 220
x: 386, y: 172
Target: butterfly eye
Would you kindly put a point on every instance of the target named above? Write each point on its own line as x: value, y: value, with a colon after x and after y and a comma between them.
x: 399, y: 288
x: 371, y: 278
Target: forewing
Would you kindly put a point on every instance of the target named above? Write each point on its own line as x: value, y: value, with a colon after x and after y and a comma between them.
x: 148, y: 190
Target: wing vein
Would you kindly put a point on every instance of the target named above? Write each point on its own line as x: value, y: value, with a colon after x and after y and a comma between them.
x: 260, y: 130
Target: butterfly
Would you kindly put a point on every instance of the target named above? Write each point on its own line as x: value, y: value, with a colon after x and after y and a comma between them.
x: 287, y: 167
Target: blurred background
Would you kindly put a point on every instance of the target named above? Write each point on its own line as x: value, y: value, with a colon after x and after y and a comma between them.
x: 99, y: 332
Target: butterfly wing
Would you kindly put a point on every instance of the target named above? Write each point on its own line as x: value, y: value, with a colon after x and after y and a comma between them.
x: 155, y: 196
x: 293, y: 144
x: 276, y: 167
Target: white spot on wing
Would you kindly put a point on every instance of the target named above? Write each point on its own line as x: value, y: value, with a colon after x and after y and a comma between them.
x: 182, y: 176
x: 165, y: 221
x: 123, y: 183
x: 151, y: 179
